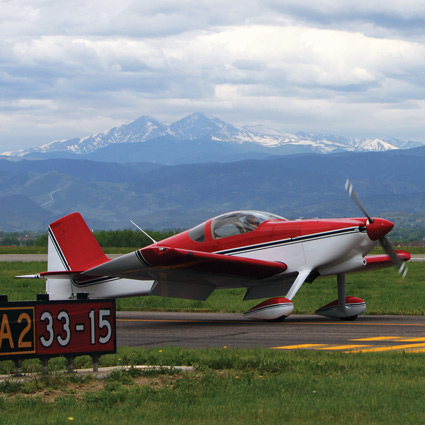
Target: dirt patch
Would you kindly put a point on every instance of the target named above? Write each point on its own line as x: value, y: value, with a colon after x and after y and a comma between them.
x: 49, y: 388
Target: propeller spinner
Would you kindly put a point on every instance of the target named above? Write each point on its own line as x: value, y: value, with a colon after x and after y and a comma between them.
x: 377, y: 229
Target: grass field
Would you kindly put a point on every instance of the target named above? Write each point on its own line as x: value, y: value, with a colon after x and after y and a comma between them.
x: 383, y: 290
x: 228, y: 385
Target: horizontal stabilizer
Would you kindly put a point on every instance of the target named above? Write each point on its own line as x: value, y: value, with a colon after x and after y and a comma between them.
x: 61, y: 274
x: 29, y: 276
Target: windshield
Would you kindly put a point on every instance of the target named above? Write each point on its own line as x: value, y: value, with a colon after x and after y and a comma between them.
x: 238, y: 222
x: 197, y: 233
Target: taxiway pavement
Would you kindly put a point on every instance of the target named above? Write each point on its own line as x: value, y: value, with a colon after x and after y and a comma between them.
x: 200, y: 330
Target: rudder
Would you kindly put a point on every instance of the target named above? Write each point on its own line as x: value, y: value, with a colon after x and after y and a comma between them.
x: 71, y: 240
x: 71, y: 247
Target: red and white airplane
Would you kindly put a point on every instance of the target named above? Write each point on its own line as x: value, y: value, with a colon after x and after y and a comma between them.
x: 267, y: 255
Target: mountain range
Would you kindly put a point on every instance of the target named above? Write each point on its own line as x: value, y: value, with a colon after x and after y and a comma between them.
x: 391, y: 184
x: 198, y: 139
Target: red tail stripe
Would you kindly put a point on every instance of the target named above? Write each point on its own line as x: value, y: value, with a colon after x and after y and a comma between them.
x: 77, y: 243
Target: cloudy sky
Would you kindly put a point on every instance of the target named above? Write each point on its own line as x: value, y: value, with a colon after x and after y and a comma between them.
x: 72, y: 68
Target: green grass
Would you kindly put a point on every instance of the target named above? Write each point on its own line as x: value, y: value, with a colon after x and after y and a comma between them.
x: 414, y: 249
x: 411, y: 249
x: 23, y: 250
x: 21, y: 289
x: 383, y: 290
x: 230, y: 386
x: 43, y: 250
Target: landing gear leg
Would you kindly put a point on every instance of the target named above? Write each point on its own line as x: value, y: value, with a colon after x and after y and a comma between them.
x: 343, y: 308
x: 341, y: 290
x: 342, y: 298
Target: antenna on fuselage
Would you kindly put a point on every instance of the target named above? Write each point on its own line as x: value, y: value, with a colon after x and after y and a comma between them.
x: 134, y: 224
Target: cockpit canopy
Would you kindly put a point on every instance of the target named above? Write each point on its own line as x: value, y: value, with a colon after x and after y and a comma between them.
x: 233, y: 223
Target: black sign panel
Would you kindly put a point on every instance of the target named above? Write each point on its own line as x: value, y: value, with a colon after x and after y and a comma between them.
x: 17, y: 330
x: 55, y: 328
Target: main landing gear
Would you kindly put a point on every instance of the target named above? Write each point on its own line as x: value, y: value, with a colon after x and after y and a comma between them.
x: 278, y: 308
x: 344, y: 308
x: 272, y: 310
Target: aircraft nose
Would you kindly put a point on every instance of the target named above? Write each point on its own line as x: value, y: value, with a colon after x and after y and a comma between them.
x: 379, y: 228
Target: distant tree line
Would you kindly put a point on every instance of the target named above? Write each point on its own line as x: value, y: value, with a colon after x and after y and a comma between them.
x: 403, y: 235
x: 129, y: 238
x: 18, y: 238
x: 136, y: 239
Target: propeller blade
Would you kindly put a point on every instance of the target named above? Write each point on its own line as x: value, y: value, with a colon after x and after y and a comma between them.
x: 389, y: 249
x: 352, y: 193
x: 384, y: 241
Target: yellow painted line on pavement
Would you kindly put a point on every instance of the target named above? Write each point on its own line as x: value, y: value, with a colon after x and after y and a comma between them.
x: 387, y: 348
x: 298, y: 347
x: 412, y: 339
x: 377, y: 338
x: 343, y: 347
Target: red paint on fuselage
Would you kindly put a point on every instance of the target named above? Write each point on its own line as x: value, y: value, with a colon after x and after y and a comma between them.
x: 268, y: 231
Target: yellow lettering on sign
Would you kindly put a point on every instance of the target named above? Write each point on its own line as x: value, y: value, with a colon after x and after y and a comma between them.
x: 5, y: 332
x: 21, y: 342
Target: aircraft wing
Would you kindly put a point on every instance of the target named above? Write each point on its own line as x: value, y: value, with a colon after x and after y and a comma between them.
x: 380, y: 261
x: 175, y: 272
x: 181, y: 273
x: 162, y: 262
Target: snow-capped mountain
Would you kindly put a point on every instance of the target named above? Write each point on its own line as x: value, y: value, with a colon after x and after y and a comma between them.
x: 198, y: 127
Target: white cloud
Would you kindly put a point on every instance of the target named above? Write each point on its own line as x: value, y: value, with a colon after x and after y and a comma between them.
x: 331, y: 66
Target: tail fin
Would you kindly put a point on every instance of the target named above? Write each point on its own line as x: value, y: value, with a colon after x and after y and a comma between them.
x: 71, y: 247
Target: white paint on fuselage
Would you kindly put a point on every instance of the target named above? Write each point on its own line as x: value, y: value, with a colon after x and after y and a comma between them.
x: 321, y: 250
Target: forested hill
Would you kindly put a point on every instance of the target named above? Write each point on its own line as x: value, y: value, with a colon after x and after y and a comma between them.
x: 34, y: 193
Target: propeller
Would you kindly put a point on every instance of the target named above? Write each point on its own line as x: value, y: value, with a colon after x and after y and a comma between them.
x: 383, y: 240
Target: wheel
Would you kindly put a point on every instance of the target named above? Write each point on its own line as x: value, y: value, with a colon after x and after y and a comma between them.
x: 279, y: 319
x: 349, y: 318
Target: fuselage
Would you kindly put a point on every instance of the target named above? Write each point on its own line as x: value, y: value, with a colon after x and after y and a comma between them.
x: 328, y: 245
x: 262, y: 252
